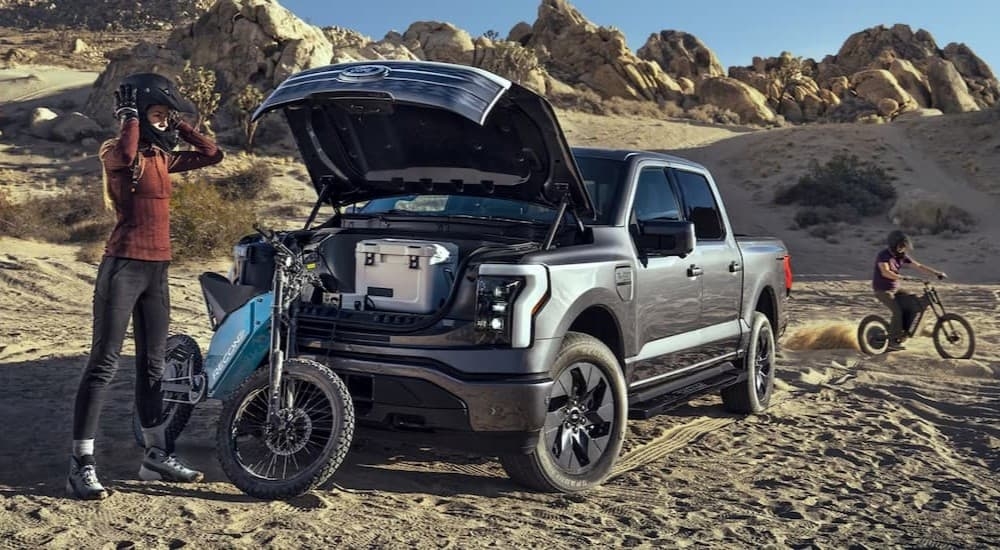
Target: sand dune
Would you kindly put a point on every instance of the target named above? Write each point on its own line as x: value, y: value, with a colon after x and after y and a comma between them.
x: 896, y: 450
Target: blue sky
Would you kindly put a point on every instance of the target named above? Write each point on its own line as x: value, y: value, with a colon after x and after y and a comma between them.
x: 735, y: 30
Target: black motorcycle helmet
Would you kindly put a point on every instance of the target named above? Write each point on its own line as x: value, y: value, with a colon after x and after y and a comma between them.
x: 896, y: 239
x: 156, y: 89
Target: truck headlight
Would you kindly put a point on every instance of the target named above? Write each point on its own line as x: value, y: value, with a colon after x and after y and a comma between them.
x: 507, y: 299
x: 494, y: 296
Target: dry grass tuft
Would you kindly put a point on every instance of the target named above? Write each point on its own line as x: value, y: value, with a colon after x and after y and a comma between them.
x: 204, y: 223
x: 928, y: 215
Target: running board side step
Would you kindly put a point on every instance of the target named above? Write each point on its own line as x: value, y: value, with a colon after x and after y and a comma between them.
x: 663, y: 397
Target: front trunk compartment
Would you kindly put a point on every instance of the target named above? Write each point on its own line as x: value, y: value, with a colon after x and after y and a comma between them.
x: 375, y: 286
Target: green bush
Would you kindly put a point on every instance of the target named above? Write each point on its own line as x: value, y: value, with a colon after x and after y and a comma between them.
x: 204, y: 223
x: 858, y: 188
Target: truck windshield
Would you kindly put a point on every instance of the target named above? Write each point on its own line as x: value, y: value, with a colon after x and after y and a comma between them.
x: 457, y: 205
x: 605, y: 181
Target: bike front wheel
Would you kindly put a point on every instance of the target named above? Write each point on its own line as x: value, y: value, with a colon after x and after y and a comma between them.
x: 873, y: 335
x: 953, y: 337
x: 306, y: 444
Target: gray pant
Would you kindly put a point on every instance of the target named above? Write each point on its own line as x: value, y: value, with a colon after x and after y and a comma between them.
x: 888, y: 299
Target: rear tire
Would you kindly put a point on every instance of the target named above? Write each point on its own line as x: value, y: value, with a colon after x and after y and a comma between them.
x: 180, y: 350
x: 585, y: 424
x: 953, y: 330
x: 873, y: 335
x: 306, y: 449
x: 753, y: 395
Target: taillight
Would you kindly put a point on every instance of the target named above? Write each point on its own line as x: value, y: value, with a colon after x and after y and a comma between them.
x: 788, y: 274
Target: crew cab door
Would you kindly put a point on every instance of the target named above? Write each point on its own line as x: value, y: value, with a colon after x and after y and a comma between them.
x: 667, y: 295
x: 718, y: 259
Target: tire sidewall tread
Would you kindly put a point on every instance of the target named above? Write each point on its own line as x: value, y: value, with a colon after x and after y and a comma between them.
x: 321, y: 471
x: 536, y: 469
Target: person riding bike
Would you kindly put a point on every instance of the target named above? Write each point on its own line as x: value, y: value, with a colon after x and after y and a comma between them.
x: 886, y: 278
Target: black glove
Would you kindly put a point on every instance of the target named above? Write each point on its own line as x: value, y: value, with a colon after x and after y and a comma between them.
x: 125, y: 104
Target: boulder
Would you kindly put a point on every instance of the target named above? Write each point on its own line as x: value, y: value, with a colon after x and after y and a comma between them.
x: 79, y: 46
x: 911, y: 80
x: 576, y: 51
x: 887, y: 107
x: 918, y: 113
x: 864, y: 48
x: 873, y: 85
x: 74, y: 127
x: 790, y: 109
x: 442, y: 42
x: 40, y: 121
x: 733, y: 95
x: 520, y: 33
x: 349, y: 45
x: 681, y: 54
x: 949, y: 93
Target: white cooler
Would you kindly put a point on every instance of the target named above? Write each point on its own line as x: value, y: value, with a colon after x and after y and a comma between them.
x: 404, y: 276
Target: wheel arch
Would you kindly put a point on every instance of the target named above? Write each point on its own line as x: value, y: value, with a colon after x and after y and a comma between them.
x: 601, y: 323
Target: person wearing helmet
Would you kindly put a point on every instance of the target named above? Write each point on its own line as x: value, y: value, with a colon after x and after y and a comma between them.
x: 886, y: 278
x: 132, y: 277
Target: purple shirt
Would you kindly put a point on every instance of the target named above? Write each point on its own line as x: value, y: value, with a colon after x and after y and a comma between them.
x: 879, y: 282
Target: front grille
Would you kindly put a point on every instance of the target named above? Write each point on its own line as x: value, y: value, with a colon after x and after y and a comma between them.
x: 324, y: 323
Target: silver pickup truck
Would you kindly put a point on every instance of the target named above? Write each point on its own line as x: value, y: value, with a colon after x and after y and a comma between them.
x: 489, y: 285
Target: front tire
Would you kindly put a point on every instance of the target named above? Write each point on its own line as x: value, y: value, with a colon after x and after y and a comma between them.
x: 585, y: 423
x: 873, y: 335
x: 753, y: 395
x: 181, y: 359
x: 953, y: 337
x: 307, y: 446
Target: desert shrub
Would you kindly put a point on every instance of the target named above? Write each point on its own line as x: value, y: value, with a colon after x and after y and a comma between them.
x: 825, y: 231
x: 248, y: 181
x: 712, y: 114
x: 198, y: 85
x: 204, y: 223
x: 91, y: 252
x: 75, y: 214
x: 858, y: 188
x: 508, y: 59
x: 808, y: 217
x: 925, y: 215
x: 247, y: 101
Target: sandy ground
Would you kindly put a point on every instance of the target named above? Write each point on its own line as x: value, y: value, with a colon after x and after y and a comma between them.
x: 899, y: 450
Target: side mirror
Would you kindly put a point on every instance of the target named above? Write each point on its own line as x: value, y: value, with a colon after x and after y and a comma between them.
x: 667, y: 237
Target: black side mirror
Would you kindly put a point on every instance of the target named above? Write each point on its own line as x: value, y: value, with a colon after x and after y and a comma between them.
x: 667, y: 237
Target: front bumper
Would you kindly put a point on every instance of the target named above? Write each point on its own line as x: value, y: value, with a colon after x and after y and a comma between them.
x: 391, y: 392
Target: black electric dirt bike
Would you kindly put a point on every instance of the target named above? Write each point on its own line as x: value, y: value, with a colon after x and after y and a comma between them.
x: 953, y: 335
x: 286, y: 423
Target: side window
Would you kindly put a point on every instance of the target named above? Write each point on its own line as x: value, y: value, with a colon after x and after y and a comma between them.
x: 700, y: 206
x: 654, y: 198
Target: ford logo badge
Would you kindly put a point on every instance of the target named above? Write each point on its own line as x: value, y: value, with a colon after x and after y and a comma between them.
x: 363, y: 73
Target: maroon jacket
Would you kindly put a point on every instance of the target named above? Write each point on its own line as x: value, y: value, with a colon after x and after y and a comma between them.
x: 142, y: 231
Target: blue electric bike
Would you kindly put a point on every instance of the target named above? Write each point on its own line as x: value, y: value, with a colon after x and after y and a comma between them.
x: 286, y: 423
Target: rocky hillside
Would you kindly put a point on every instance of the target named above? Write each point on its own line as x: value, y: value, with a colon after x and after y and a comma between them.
x: 878, y: 74
x: 100, y: 14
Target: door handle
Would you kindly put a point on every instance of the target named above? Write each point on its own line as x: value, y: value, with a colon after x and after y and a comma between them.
x: 735, y: 266
x: 694, y: 271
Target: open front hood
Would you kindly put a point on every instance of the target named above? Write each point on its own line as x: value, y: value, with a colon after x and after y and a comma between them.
x: 378, y: 128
